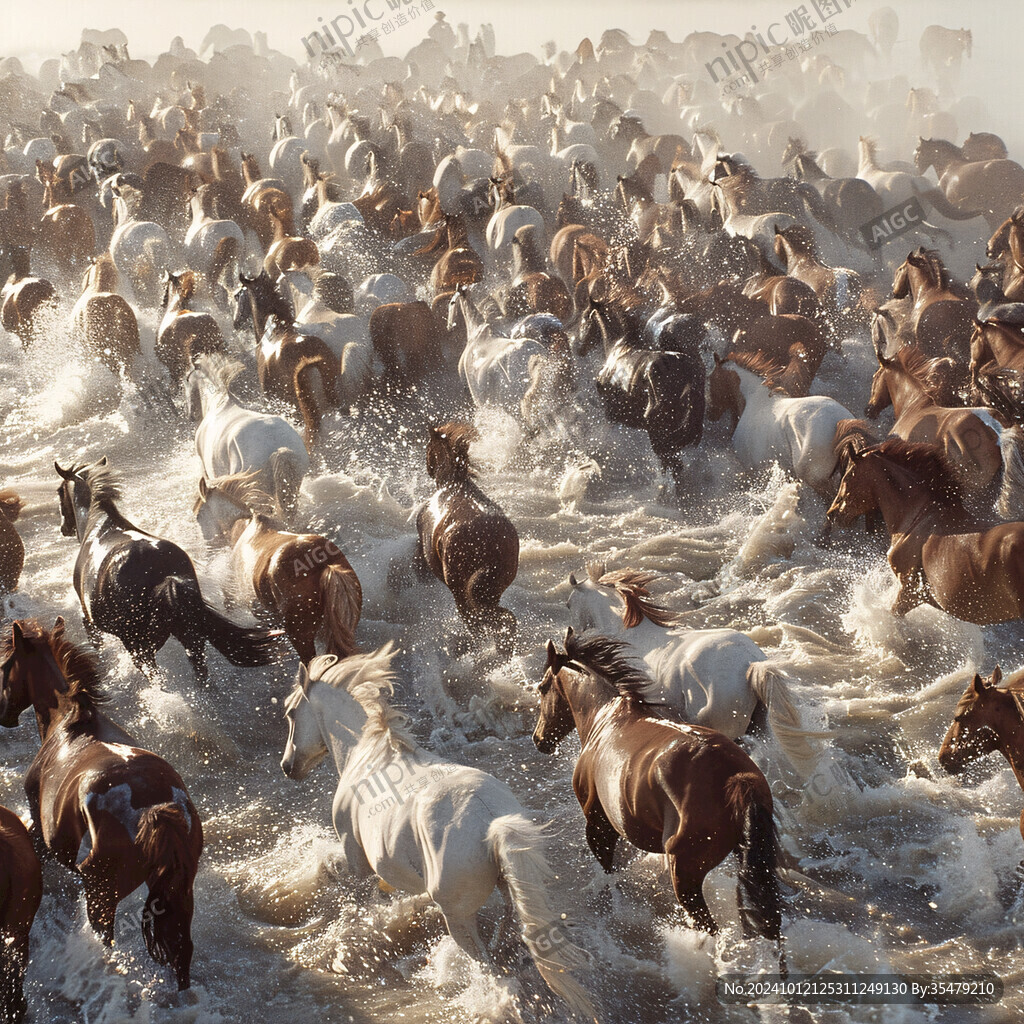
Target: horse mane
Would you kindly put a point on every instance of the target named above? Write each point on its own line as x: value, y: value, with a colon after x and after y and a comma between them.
x: 455, y: 438
x: 370, y: 679
x: 920, y: 368
x: 758, y: 362
x: 632, y: 586
x: 852, y: 435
x: 925, y: 461
x: 103, y: 483
x: 242, y: 488
x: 79, y: 666
x: 933, y: 259
x: 221, y: 368
x: 606, y: 657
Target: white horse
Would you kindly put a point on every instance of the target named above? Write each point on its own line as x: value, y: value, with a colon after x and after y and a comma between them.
x: 207, y: 236
x: 231, y: 439
x: 797, y: 433
x: 719, y: 678
x: 418, y: 822
x: 141, y: 249
x: 507, y: 219
x: 497, y: 369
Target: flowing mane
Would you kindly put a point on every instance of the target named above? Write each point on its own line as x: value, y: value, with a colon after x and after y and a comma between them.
x: 924, y: 461
x: 78, y: 665
x: 759, y: 363
x: 933, y: 260
x: 449, y: 443
x: 104, y: 486
x: 243, y: 490
x: 369, y: 678
x: 923, y: 370
x: 606, y: 657
x: 220, y: 368
x: 632, y: 586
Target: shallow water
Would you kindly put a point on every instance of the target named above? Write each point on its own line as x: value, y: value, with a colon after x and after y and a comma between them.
x: 904, y: 869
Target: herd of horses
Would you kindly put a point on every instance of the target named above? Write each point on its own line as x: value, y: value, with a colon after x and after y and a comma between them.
x: 587, y: 256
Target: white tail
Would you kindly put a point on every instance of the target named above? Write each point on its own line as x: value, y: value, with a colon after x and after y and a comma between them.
x: 769, y: 686
x: 1010, y: 503
x: 517, y: 844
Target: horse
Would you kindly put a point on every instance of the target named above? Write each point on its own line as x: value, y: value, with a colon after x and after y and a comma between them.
x: 21, y: 892
x: 940, y: 320
x: 184, y: 334
x: 12, y: 549
x: 299, y: 369
x: 65, y: 236
x: 231, y: 439
x: 717, y: 678
x: 407, y: 339
x: 210, y: 244
x: 508, y: 217
x: 768, y: 427
x: 103, y: 807
x: 940, y: 553
x: 663, y: 784
x: 466, y: 540
x: 987, y: 718
x: 533, y: 289
x: 141, y: 588
x: 27, y: 303
x: 104, y: 321
x: 140, y: 249
x: 303, y: 580
x: 838, y: 289
x: 452, y: 832
x: 996, y: 345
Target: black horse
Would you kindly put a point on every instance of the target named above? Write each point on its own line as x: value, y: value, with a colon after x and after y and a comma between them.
x: 143, y: 589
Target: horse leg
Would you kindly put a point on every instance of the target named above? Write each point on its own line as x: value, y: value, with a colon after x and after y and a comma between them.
x: 100, y: 900
x: 758, y: 720
x: 601, y: 837
x: 688, y: 884
x: 302, y: 625
x: 195, y: 651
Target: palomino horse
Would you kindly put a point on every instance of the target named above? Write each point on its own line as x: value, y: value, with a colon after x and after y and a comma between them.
x: 303, y: 580
x: 718, y: 678
x: 141, y: 588
x: 21, y: 892
x: 231, y: 439
x: 466, y: 540
x: 662, y: 784
x: 940, y: 553
x: 989, y: 717
x: 454, y: 839
x: 115, y: 814
x: 992, y: 187
x: 941, y: 322
x: 767, y: 427
x: 184, y: 334
x: 299, y: 369
x: 12, y: 549
x: 26, y: 302
x: 978, y: 448
x: 104, y: 322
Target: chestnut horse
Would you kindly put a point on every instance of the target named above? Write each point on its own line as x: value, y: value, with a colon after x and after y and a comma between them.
x: 115, y: 814
x: 466, y: 540
x: 303, y: 580
x: 104, y: 321
x: 988, y: 717
x: 996, y: 345
x: 26, y: 301
x: 940, y: 320
x: 661, y: 783
x: 184, y: 333
x: 941, y: 554
x: 12, y: 549
x: 21, y: 891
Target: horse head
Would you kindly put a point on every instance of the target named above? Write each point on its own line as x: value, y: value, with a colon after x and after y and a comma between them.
x: 982, y: 713
x: 554, y: 720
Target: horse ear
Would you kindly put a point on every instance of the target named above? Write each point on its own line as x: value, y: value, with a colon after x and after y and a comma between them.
x: 569, y: 634
x: 102, y: 461
x: 573, y: 582
x: 304, y: 680
x: 58, y: 627
x: 997, y: 676
x: 552, y: 654
x: 977, y: 684
x: 204, y: 489
x: 64, y: 474
x: 977, y: 266
x: 17, y: 636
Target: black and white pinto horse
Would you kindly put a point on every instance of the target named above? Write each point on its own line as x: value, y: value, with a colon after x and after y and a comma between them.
x: 143, y: 589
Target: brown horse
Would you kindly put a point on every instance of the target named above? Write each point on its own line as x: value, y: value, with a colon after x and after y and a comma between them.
x: 12, y: 550
x: 184, y: 333
x: 787, y: 341
x: 989, y: 717
x: 288, y: 251
x: 115, y: 814
x: 662, y: 784
x: 21, y: 891
x: 303, y: 580
x: 26, y: 302
x: 784, y: 295
x: 837, y: 289
x: 968, y: 437
x: 65, y: 237
x: 941, y: 554
x: 104, y: 321
x: 466, y: 540
x: 996, y: 345
x: 457, y: 262
x: 409, y: 340
x: 533, y: 289
x: 941, y: 321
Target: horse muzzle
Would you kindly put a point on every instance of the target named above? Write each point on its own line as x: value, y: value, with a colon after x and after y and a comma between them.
x: 543, y: 745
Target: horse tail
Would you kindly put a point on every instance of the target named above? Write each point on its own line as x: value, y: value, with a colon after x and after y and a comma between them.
x: 770, y: 687
x: 937, y: 198
x: 286, y: 475
x: 758, y: 891
x: 310, y: 393
x: 516, y: 844
x: 342, y: 598
x: 180, y: 599
x: 1010, y: 503
x: 10, y: 505
x: 223, y: 256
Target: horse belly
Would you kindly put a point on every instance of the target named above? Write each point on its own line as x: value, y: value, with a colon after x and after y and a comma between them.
x: 976, y: 577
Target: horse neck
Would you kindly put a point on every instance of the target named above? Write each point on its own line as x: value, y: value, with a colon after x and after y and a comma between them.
x: 472, y: 316
x: 947, y: 159
x: 1011, y: 743
x: 260, y: 313
x: 808, y: 169
x: 343, y: 740
x: 753, y: 391
x: 45, y: 696
x: 104, y: 278
x: 586, y: 696
x: 901, y: 505
x: 867, y: 159
x: 904, y: 391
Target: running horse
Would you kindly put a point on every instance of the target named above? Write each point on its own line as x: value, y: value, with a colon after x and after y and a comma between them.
x: 21, y: 891
x: 664, y: 785
x: 184, y: 333
x: 940, y: 320
x: 115, y: 814
x: 299, y: 369
x: 941, y: 554
x: 988, y: 717
x: 104, y: 321
x: 466, y: 540
x: 143, y: 589
x: 304, y: 580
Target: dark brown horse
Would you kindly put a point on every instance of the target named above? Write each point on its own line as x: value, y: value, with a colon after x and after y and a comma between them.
x: 409, y: 341
x: 989, y: 717
x: 662, y: 784
x: 184, y: 333
x: 115, y: 814
x: 466, y: 540
x: 941, y: 321
x: 941, y: 554
x: 21, y: 891
x: 12, y: 549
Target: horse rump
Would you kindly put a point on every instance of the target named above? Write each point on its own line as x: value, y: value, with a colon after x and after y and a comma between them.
x: 180, y: 599
x: 286, y: 472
